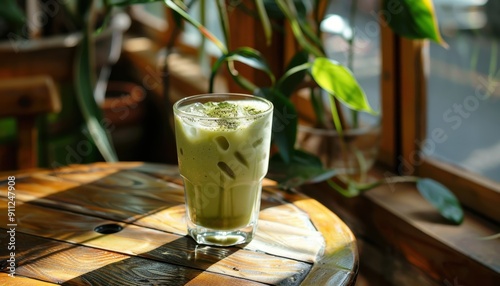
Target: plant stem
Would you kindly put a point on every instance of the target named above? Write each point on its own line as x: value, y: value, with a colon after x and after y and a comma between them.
x: 350, y: 53
x: 317, y: 104
x: 336, y: 118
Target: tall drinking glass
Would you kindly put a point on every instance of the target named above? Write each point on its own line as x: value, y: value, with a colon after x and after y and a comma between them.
x: 223, y: 145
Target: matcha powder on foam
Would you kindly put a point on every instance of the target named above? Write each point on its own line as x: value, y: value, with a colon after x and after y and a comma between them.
x: 227, y: 110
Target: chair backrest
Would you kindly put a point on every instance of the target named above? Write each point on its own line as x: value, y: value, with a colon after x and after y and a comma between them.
x: 25, y: 99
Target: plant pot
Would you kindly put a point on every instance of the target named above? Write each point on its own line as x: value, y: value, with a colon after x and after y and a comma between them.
x: 352, y: 155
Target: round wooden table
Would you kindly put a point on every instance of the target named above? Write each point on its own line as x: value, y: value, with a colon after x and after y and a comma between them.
x: 123, y: 224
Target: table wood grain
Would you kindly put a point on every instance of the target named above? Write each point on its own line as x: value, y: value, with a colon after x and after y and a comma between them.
x: 59, y: 213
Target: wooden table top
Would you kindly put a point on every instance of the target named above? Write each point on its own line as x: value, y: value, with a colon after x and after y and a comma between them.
x: 66, y: 220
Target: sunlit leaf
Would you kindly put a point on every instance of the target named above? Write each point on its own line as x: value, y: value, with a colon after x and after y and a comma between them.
x: 339, y: 81
x: 442, y: 199
x: 414, y: 19
x: 247, y: 56
x: 285, y: 120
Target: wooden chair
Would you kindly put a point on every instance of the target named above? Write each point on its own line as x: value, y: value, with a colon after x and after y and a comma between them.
x: 25, y: 99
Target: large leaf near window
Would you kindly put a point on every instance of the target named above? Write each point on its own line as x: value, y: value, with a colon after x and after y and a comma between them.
x: 339, y: 81
x: 414, y: 19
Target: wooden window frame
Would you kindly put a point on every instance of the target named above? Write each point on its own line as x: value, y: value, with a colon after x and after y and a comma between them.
x: 473, y: 191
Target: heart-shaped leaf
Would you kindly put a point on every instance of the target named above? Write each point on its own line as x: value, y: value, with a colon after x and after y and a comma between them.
x: 441, y: 198
x: 339, y: 81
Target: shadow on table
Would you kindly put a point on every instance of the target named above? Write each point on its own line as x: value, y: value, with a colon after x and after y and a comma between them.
x: 124, y: 197
x: 174, y: 263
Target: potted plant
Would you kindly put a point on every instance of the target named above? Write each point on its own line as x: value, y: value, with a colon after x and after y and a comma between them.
x: 75, y: 43
x: 332, y: 86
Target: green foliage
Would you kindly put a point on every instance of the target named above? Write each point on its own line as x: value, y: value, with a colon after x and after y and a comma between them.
x: 442, y: 199
x: 337, y: 80
x: 412, y: 19
x: 303, y: 168
x: 291, y: 167
x: 296, y: 72
x: 85, y: 96
x: 247, y: 56
x: 432, y: 191
x: 12, y: 14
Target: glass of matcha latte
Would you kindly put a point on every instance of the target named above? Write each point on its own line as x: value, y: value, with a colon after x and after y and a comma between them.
x: 223, y: 143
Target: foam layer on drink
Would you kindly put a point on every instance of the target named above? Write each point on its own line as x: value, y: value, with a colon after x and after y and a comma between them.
x: 223, y: 115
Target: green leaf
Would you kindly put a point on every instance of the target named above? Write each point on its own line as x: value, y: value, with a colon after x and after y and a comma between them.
x: 84, y: 93
x: 247, y: 56
x: 339, y: 81
x: 303, y: 18
x: 304, y: 168
x: 202, y: 29
x: 348, y: 191
x: 290, y: 13
x: 264, y: 19
x: 305, y: 158
x: 285, y: 120
x: 442, y: 199
x: 290, y: 81
x: 273, y: 10
x: 224, y: 20
x: 412, y: 19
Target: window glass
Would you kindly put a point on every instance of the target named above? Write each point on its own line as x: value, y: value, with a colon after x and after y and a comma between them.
x: 365, y: 49
x: 463, y: 87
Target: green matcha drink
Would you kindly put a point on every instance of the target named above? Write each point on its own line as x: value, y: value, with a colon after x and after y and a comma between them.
x: 223, y: 151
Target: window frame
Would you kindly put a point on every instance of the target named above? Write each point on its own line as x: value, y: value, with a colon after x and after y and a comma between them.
x: 473, y: 191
